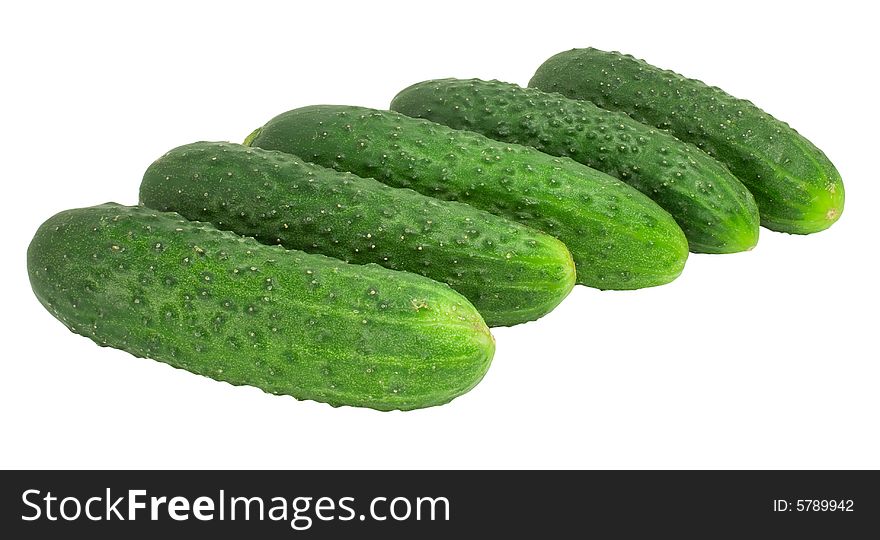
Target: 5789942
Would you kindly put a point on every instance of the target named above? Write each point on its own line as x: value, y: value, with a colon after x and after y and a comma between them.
x: 814, y: 505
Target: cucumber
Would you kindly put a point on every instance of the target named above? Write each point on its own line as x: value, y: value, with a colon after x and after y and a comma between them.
x: 512, y: 274
x: 796, y: 186
x: 714, y: 209
x: 214, y: 303
x: 618, y: 237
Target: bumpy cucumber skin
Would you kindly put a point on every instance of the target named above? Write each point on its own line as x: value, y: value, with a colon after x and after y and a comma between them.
x: 511, y: 273
x: 230, y: 308
x: 618, y: 237
x: 714, y: 209
x: 797, y: 188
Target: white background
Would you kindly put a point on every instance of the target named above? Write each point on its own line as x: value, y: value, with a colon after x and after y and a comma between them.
x: 767, y: 359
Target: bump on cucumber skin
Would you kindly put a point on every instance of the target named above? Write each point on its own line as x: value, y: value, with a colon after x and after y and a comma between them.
x: 618, y: 237
x: 797, y: 188
x: 512, y: 274
x: 714, y: 209
x: 230, y: 308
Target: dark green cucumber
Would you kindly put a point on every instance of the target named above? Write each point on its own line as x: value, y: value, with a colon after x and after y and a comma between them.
x: 618, y: 237
x: 214, y: 303
x: 796, y: 186
x: 511, y: 273
x: 714, y: 209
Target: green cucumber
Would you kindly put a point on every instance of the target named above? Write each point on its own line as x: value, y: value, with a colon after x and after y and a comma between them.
x: 618, y: 237
x: 227, y: 307
x: 512, y: 274
x: 796, y: 186
x: 714, y: 209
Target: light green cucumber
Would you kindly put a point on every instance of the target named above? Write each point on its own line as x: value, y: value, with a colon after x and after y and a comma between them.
x: 797, y: 188
x: 227, y: 307
x: 618, y: 237
x: 714, y: 209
